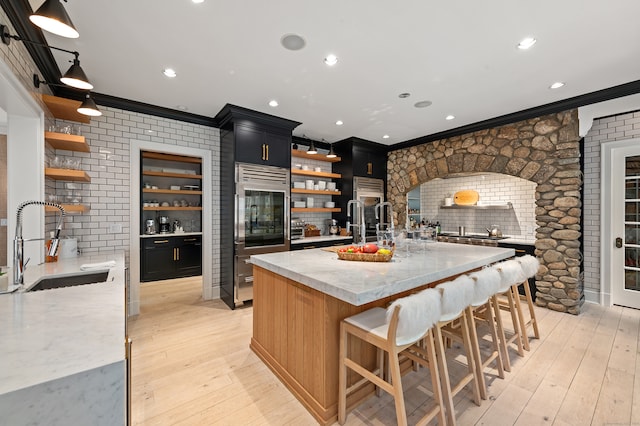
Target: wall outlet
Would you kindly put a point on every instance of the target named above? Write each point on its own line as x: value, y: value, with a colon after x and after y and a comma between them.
x: 3, y: 222
x: 115, y: 228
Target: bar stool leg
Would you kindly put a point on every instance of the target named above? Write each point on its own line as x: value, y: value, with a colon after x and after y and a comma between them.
x: 523, y: 325
x: 532, y: 312
x: 475, y: 348
x: 506, y: 362
x: 342, y: 377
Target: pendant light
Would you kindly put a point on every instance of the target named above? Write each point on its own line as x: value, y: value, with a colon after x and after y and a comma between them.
x: 312, y: 149
x: 75, y: 76
x: 89, y: 107
x: 331, y: 153
x: 53, y: 17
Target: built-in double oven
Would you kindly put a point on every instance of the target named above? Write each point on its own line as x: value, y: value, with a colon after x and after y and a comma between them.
x: 261, y: 220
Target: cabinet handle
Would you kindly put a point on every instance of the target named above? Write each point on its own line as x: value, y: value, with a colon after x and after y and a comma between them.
x: 174, y: 254
x: 161, y: 241
x: 369, y: 168
x: 308, y: 247
x: 267, y: 159
x: 263, y: 152
x: 189, y: 239
x: 178, y: 254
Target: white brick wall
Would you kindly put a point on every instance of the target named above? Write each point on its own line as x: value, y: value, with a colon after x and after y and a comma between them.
x: 608, y: 129
x: 108, y: 193
x: 492, y: 188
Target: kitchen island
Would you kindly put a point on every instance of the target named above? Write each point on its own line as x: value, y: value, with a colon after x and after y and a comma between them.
x: 63, y: 350
x: 301, y: 297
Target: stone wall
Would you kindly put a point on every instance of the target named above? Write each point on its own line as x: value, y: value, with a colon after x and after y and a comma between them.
x: 544, y: 150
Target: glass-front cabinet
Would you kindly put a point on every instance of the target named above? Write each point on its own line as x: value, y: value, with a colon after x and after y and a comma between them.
x: 632, y: 224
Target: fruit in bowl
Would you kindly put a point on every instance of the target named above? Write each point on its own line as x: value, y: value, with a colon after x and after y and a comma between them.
x: 370, y: 248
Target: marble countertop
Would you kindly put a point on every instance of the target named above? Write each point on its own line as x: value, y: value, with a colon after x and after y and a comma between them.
x: 49, y: 334
x: 321, y: 238
x: 359, y: 283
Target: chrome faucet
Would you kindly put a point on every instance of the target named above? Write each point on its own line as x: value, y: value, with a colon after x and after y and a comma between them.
x: 18, y: 243
x: 388, y: 225
x: 359, y: 214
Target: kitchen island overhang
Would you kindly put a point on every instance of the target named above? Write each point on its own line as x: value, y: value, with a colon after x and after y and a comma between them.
x: 301, y: 297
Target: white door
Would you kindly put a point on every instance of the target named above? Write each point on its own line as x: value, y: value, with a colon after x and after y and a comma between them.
x: 624, y: 239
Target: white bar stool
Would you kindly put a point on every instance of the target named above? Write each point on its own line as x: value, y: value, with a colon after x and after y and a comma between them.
x: 395, y: 330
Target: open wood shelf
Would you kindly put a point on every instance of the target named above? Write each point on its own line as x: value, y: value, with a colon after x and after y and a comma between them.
x: 171, y: 191
x: 67, y: 142
x: 314, y: 210
x: 315, y: 174
x: 171, y: 208
x: 65, y: 109
x: 69, y: 208
x: 174, y: 175
x: 67, y: 174
x: 171, y: 157
x: 317, y: 157
x: 314, y: 191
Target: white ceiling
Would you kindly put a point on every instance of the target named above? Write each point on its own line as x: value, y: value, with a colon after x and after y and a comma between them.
x: 461, y: 56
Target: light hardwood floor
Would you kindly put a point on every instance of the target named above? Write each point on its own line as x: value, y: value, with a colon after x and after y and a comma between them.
x: 192, y: 366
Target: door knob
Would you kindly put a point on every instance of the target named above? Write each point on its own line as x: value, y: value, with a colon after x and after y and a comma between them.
x: 618, y: 242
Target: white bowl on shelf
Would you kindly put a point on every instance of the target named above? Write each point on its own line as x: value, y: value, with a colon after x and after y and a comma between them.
x: 329, y: 204
x: 299, y: 204
x: 298, y: 185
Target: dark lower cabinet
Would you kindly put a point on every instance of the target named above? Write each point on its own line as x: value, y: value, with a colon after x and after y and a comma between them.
x: 521, y: 250
x: 164, y: 258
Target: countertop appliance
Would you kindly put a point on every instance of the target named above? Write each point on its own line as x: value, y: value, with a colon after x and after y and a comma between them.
x: 297, y: 228
x: 150, y: 226
x: 164, y: 224
x: 261, y: 221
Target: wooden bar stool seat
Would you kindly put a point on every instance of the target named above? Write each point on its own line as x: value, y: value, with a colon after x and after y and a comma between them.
x: 487, y: 283
x: 395, y: 330
x: 511, y: 275
x: 457, y: 295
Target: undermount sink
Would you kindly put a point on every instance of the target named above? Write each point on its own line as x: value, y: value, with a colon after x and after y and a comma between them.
x: 47, y: 283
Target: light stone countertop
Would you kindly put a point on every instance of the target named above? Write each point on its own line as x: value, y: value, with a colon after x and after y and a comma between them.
x: 359, y: 283
x: 50, y: 334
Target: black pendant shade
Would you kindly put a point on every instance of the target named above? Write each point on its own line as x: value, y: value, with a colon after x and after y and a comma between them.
x: 312, y: 149
x: 89, y: 107
x: 75, y: 77
x: 53, y: 17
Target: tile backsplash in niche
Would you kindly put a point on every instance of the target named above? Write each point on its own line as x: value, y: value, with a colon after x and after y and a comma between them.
x: 519, y: 220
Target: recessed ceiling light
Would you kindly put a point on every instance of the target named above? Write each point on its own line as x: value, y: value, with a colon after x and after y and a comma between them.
x: 526, y: 43
x: 339, y: 123
x: 385, y: 136
x: 422, y: 104
x: 331, y: 60
x: 292, y: 42
x: 182, y: 107
x: 150, y: 131
x: 198, y: 1
x: 556, y: 85
x: 273, y: 103
x: 450, y: 117
x: 169, y: 72
x: 404, y: 95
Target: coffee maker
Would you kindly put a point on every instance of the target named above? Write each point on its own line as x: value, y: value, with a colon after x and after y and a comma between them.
x: 164, y: 224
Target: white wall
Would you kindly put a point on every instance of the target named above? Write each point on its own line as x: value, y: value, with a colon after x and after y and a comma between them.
x: 603, y: 130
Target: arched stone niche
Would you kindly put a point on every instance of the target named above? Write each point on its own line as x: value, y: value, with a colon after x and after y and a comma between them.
x: 544, y: 150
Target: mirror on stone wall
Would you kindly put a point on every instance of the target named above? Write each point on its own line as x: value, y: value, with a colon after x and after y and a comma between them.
x: 504, y: 200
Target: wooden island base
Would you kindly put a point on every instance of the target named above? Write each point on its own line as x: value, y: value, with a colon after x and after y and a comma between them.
x: 296, y: 334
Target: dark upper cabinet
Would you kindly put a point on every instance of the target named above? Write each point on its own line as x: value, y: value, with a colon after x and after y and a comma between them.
x: 368, y: 162
x: 254, y: 137
x: 257, y: 146
x: 359, y: 158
